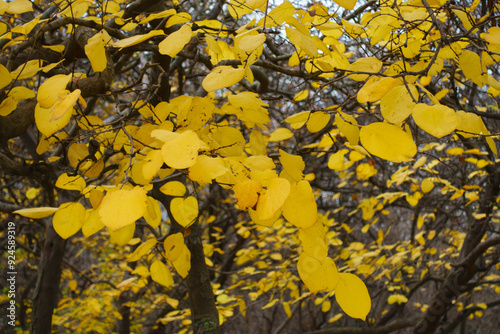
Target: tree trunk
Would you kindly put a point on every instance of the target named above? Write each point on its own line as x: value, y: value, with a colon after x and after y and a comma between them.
x: 47, y: 286
x: 204, y: 312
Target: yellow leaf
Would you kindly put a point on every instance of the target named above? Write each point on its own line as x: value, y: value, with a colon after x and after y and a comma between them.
x: 437, y: 120
x: 489, y: 140
x: 36, y: 213
x: 142, y: 250
x: 280, y: 134
x: 388, y: 142
x: 247, y: 193
x: 152, y: 164
x: 180, y: 150
x: 68, y: 220
x: 76, y: 153
x: 293, y: 165
x: 33, y: 193
x: 335, y: 318
x: 159, y: 15
x: 72, y: 285
x: 397, y: 104
x: 249, y: 43
x: 161, y: 274
x: 64, y: 106
x: 272, y: 198
x: 92, y: 223
x: 298, y: 120
x: 21, y: 93
x: 348, y: 125
x: 184, y: 210
x: 122, y: 207
x: 286, y: 308
x: 46, y: 124
x: 19, y: 7
x: 300, y: 207
x: 302, y: 41
x: 8, y: 106
x: 183, y: 264
x: 122, y: 236
x: 71, y: 182
x: 5, y: 76
x: 313, y: 241
x: 317, y: 275
x: 470, y: 123
x: 96, y: 52
x: 49, y: 91
x: 337, y: 160
x: 278, y: 15
x: 427, y: 184
x: 173, y: 188
x: 207, y: 169
x: 326, y: 306
x: 352, y: 296
x: 302, y: 95
x: 226, y: 141
x: 397, y: 298
x: 173, y: 245
x: 134, y: 40
x: 347, y: 4
x: 317, y: 121
x: 222, y: 77
x: 196, y: 114
x: 152, y: 216
x: 375, y: 88
x: 367, y: 64
x: 175, y: 42
x: 179, y: 18
x: 471, y: 66
x: 27, y: 69
x: 267, y: 222
x: 493, y: 36
x: 26, y: 28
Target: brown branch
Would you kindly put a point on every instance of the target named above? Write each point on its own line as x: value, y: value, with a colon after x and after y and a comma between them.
x: 8, y: 208
x: 479, y: 250
x: 394, y: 326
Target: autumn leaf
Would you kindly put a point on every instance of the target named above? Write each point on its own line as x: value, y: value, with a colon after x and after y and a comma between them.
x: 222, y: 77
x: 161, y: 274
x: 437, y: 120
x: 174, y: 246
x: 247, y: 193
x: 137, y: 39
x: 68, y: 220
x: 180, y: 150
x: 122, y: 207
x: 388, y: 142
x: 36, y: 213
x: 272, y: 198
x: 317, y: 275
x: 175, y: 42
x: 68, y: 182
x: 184, y: 210
x: 352, y: 295
x: 300, y: 207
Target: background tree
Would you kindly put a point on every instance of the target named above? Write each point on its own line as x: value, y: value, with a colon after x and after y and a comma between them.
x: 251, y: 165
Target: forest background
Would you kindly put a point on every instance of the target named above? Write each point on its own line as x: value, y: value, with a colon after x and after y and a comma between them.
x: 249, y: 166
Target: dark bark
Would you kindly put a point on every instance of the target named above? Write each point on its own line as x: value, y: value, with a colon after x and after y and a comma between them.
x: 395, y: 326
x: 457, y: 280
x: 204, y: 312
x: 47, y: 287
